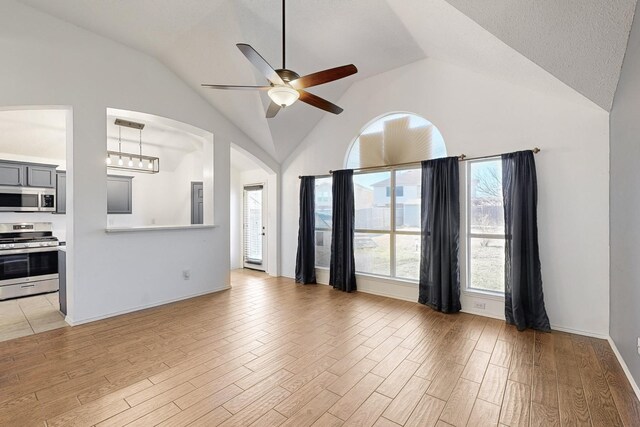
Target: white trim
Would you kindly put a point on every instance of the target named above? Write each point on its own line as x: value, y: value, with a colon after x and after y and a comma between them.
x: 141, y: 307
x: 158, y: 228
x: 625, y: 368
x: 477, y: 293
x: 579, y: 332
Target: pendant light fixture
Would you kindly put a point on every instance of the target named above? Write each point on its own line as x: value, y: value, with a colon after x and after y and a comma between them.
x: 137, y: 162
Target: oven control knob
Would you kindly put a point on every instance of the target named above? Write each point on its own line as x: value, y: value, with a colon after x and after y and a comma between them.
x: 11, y: 245
x: 3, y: 246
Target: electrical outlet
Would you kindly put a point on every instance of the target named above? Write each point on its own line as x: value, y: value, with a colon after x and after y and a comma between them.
x: 638, y: 345
x: 479, y: 305
x: 186, y: 274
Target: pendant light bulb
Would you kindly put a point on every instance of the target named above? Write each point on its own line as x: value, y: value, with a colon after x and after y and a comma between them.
x: 140, y: 164
x: 108, y: 160
x: 120, y: 162
x: 130, y: 162
x: 150, y: 165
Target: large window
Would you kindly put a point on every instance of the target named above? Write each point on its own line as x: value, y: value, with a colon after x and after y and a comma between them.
x: 387, y: 239
x: 485, y: 226
x: 387, y: 203
x: 387, y: 223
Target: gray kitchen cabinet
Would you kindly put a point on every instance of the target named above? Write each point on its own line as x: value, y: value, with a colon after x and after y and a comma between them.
x: 12, y: 173
x: 27, y: 174
x: 61, y: 192
x: 41, y: 176
x: 119, y: 194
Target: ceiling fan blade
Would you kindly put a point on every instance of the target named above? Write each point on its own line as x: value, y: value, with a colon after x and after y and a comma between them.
x: 232, y: 87
x: 318, y: 102
x: 272, y: 110
x: 324, y: 76
x: 260, y: 63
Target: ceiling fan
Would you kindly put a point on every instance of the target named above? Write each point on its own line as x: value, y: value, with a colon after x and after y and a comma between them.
x: 286, y: 86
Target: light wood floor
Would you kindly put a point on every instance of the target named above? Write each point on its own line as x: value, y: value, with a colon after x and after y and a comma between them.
x: 270, y: 352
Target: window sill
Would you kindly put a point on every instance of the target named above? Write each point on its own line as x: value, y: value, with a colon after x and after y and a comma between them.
x: 158, y: 228
x: 385, y: 279
x: 484, y: 294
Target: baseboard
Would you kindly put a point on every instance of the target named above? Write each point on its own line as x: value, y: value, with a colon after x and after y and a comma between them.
x: 625, y: 368
x: 579, y: 332
x: 141, y: 307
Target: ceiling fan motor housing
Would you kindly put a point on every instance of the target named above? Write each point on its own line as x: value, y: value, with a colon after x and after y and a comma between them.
x: 287, y: 75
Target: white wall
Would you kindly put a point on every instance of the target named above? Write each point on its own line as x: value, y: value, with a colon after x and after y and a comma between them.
x: 235, y: 209
x: 625, y: 205
x: 49, y: 62
x: 478, y: 115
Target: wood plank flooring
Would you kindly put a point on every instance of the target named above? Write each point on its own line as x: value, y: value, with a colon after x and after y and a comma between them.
x: 269, y: 352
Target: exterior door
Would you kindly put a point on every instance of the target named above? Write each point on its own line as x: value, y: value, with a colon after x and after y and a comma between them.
x: 253, y: 227
x: 197, y: 203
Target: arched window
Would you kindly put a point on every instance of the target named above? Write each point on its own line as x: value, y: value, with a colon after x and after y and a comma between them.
x: 387, y: 200
x: 396, y: 138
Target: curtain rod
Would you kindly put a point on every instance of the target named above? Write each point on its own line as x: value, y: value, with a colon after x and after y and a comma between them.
x: 461, y: 157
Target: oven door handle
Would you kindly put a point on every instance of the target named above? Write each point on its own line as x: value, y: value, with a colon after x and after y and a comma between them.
x: 28, y: 250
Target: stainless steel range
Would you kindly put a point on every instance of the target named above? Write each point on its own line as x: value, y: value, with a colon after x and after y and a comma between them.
x: 28, y: 259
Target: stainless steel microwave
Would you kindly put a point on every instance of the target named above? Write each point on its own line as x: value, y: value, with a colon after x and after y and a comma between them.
x: 27, y: 199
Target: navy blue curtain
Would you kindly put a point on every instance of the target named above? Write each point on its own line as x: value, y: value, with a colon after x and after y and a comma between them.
x: 306, y: 256
x: 342, y: 273
x: 524, y: 301
x: 440, y: 210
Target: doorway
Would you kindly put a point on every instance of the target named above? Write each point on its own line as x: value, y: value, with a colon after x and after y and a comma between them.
x: 254, y: 227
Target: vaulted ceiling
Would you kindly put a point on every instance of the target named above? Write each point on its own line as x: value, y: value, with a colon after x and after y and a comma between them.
x: 581, y: 42
x: 573, y: 49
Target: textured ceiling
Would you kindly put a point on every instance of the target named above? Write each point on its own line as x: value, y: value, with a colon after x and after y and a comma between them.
x: 197, y: 38
x: 581, y: 42
x: 571, y: 49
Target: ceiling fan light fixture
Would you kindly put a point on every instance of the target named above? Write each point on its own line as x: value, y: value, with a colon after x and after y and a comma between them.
x: 283, y: 95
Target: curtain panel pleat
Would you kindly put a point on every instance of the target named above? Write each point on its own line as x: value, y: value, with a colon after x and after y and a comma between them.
x: 306, y: 255
x: 439, y: 285
x: 524, y: 300
x: 342, y: 273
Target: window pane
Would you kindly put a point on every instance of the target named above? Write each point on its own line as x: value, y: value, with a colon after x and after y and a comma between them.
x: 373, y: 203
x: 408, y: 256
x: 323, y: 248
x: 485, y: 192
x: 487, y: 264
x: 408, y: 185
x: 323, y: 202
x: 372, y: 253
